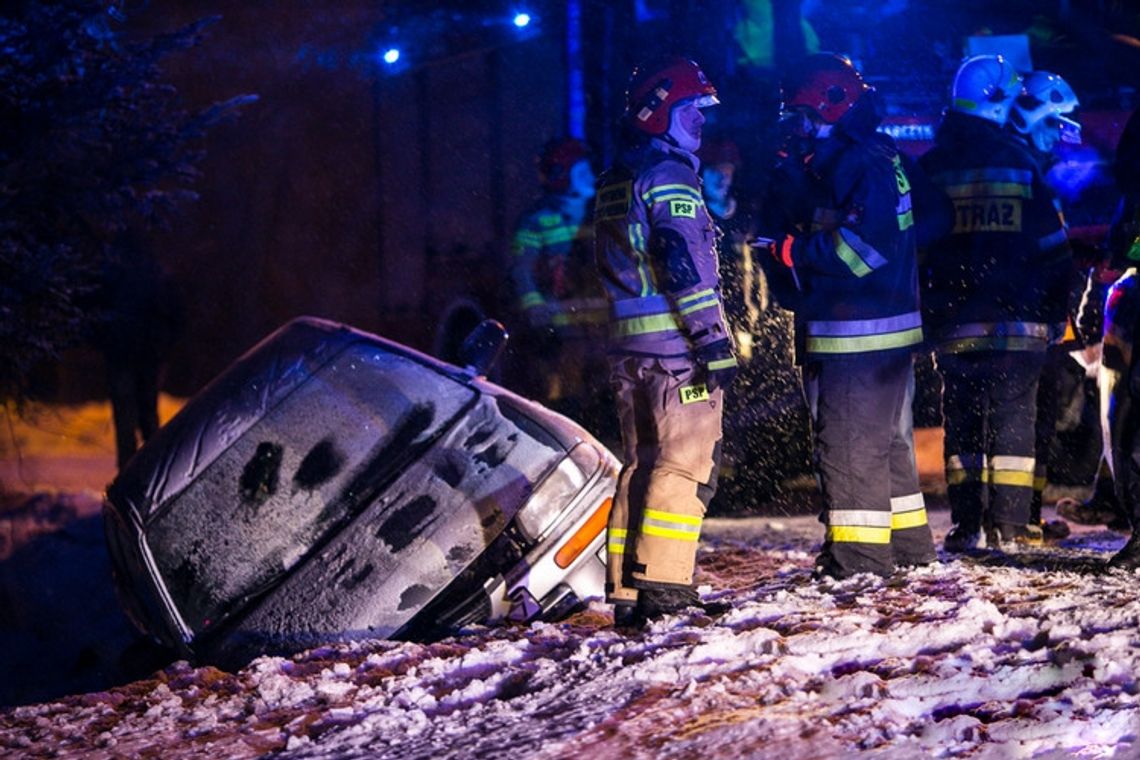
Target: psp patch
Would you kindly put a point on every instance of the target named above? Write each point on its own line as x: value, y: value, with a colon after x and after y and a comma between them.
x: 687, y: 209
x: 691, y: 394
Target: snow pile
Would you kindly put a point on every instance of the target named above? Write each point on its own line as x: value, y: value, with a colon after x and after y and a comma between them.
x: 1028, y: 656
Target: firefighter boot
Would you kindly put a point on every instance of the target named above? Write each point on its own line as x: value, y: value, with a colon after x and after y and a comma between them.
x: 1128, y: 558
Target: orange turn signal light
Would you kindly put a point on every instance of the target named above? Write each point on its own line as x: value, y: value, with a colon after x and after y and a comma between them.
x: 584, y: 536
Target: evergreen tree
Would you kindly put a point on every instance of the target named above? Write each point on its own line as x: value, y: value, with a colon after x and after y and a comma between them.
x: 94, y: 142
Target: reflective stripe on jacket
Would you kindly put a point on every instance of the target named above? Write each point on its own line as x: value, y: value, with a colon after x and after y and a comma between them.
x: 656, y: 255
x: 858, y: 261
x: 1006, y: 263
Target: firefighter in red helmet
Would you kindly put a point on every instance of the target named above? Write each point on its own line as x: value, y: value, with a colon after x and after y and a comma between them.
x: 560, y: 307
x: 671, y: 352
x: 849, y: 247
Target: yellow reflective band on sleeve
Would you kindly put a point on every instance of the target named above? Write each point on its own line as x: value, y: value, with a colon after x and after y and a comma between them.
x: 701, y: 294
x: 533, y: 298
x: 691, y: 394
x: 662, y: 193
x: 845, y: 252
x: 527, y: 239
x: 852, y: 534
x: 556, y: 235
x: 615, y: 540
x: 1039, y: 483
x: 906, y: 220
x: 722, y: 363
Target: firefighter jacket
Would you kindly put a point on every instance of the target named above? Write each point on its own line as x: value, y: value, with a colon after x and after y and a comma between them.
x: 550, y: 266
x: 1000, y: 279
x: 855, y: 261
x: 1117, y: 380
x: 655, y: 249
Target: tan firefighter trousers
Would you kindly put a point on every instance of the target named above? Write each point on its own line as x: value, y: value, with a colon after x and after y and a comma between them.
x: 670, y: 426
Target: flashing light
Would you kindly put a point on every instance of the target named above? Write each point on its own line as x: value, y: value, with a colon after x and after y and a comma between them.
x: 521, y: 19
x: 391, y: 55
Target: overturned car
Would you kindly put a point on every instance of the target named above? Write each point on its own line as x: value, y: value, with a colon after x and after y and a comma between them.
x: 333, y: 485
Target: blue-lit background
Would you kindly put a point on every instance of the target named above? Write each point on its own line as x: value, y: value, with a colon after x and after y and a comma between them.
x: 377, y: 178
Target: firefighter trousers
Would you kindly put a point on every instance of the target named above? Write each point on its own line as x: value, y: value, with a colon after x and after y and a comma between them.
x: 873, y: 510
x: 989, y: 402
x: 670, y: 433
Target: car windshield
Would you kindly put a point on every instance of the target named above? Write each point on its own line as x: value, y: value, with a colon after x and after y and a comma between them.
x: 295, y: 477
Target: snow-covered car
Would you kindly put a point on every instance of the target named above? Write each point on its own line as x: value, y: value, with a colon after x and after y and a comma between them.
x: 333, y: 485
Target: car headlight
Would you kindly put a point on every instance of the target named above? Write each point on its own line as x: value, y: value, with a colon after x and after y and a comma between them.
x: 556, y: 492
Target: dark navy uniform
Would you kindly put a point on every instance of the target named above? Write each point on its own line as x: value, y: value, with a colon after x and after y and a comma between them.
x: 992, y: 290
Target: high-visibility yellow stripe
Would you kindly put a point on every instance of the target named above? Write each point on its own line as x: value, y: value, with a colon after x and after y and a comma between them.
x: 533, y: 298
x: 678, y: 535
x: 852, y: 259
x: 913, y: 519
x: 851, y: 534
x: 695, y: 296
x: 1039, y: 483
x: 698, y: 307
x: 656, y: 514
x: 860, y: 343
x: 644, y: 325
x: 906, y: 220
x: 1012, y: 478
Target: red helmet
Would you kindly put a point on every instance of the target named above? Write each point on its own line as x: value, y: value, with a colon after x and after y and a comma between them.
x: 826, y: 84
x: 557, y: 159
x: 655, y: 88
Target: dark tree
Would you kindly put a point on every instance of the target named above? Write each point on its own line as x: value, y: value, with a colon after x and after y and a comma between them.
x: 93, y: 143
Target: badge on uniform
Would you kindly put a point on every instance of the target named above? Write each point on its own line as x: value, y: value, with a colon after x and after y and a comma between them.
x: 686, y: 209
x: 691, y: 394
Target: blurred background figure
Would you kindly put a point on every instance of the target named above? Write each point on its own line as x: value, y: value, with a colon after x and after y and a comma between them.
x: 140, y: 319
x: 992, y: 288
x: 766, y: 431
x: 1042, y: 118
x: 558, y: 341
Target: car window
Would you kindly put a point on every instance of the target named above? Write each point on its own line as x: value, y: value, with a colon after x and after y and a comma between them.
x: 289, y: 482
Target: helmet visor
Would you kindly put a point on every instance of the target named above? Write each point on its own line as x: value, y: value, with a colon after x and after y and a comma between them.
x: 1070, y: 129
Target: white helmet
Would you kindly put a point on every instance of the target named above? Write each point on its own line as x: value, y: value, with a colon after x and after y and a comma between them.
x: 985, y: 86
x: 1040, y: 112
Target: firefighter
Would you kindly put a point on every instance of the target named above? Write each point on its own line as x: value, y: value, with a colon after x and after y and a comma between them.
x: 851, y: 255
x: 992, y: 289
x: 1042, y: 118
x: 671, y: 353
x: 1119, y: 374
x: 561, y: 305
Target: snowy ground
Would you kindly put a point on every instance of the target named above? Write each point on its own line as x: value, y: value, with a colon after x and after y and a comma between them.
x: 1027, y: 656
x: 989, y: 657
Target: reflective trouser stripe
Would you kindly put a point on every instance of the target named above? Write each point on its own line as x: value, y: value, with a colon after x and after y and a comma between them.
x: 1012, y: 471
x: 965, y: 468
x: 668, y: 525
x: 1040, y: 477
x: 615, y: 541
x: 860, y: 526
x: 908, y: 511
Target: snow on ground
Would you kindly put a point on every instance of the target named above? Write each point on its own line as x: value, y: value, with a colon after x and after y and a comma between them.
x: 993, y: 657
x: 1034, y: 655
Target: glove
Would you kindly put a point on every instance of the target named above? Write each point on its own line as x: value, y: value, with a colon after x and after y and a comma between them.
x: 716, y: 364
x: 782, y: 250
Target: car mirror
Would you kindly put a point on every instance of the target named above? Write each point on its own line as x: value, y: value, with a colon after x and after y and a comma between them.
x: 483, y: 346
